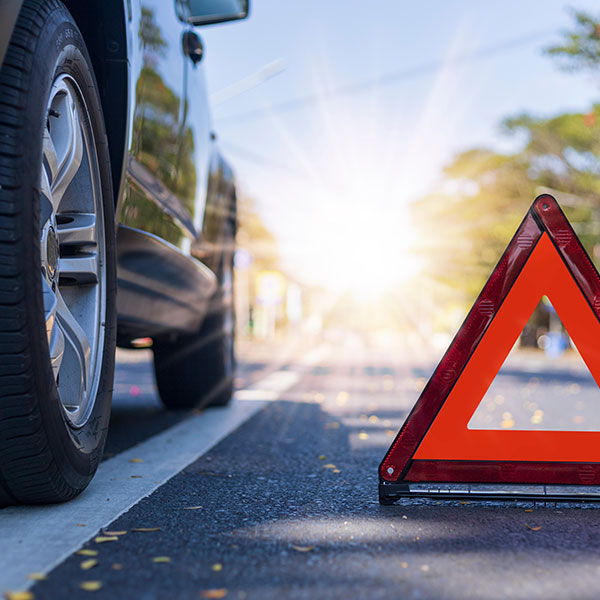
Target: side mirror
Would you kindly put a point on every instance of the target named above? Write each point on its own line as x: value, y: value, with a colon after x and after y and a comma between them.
x: 208, y: 12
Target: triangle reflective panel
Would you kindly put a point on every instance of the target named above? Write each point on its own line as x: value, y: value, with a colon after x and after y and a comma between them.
x: 435, y: 452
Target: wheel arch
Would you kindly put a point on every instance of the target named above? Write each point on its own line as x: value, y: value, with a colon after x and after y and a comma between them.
x: 103, y: 24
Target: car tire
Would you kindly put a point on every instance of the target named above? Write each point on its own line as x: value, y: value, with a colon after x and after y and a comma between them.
x: 197, y: 371
x: 57, y: 262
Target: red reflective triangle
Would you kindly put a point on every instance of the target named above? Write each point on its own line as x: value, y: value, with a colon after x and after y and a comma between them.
x: 545, y: 257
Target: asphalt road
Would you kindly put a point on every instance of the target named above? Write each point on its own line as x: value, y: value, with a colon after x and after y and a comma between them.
x: 285, y: 506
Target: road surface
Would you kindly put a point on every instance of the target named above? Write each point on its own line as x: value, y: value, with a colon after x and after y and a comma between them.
x: 276, y: 496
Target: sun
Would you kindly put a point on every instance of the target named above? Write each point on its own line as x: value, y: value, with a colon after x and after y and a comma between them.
x: 368, y: 250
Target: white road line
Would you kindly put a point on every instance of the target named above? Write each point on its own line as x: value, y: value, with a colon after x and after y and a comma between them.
x: 38, y: 538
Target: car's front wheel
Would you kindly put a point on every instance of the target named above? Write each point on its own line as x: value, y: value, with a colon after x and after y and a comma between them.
x: 57, y: 262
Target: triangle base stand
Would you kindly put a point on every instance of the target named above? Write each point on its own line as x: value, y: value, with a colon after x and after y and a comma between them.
x: 390, y: 493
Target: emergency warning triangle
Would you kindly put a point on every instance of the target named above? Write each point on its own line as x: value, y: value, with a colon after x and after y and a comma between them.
x: 435, y: 445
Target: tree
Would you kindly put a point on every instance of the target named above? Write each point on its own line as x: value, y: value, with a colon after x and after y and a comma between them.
x: 467, y: 224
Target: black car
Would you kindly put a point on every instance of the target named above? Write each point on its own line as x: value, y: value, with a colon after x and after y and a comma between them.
x: 117, y: 224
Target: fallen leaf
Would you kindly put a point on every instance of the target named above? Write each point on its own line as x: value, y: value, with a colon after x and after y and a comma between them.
x: 332, y: 425
x: 529, y: 510
x: 464, y: 502
x: 329, y: 466
x: 404, y: 565
x: 86, y: 552
x: 404, y: 517
x: 80, y: 524
x: 106, y: 538
x: 36, y: 576
x: 117, y: 567
x: 425, y: 568
x: 18, y: 595
x: 322, y: 457
x: 111, y: 533
x: 136, y: 460
x: 363, y: 436
x: 88, y: 564
x: 136, y: 476
x: 161, y: 559
x: 218, y: 593
x: 336, y: 471
x: 373, y: 419
x: 192, y: 507
x: 217, y: 567
x: 536, y: 528
x: 90, y: 586
x: 390, y: 432
x: 146, y: 529
x: 303, y: 548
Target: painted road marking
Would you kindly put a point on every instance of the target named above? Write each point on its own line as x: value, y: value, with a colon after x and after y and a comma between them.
x: 39, y: 538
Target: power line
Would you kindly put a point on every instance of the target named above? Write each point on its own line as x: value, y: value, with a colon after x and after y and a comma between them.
x: 389, y: 79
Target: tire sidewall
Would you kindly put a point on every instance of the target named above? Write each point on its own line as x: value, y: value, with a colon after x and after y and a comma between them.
x: 76, y: 452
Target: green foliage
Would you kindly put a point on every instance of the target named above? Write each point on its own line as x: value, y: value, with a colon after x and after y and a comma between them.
x: 468, y: 222
x: 580, y: 48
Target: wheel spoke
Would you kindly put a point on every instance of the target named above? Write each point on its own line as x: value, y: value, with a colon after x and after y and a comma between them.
x: 50, y: 156
x: 56, y: 338
x: 65, y: 131
x: 75, y: 337
x: 79, y: 229
x: 78, y: 269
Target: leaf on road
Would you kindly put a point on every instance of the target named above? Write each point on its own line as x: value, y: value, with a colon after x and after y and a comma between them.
x: 86, y: 552
x: 336, y: 471
x: 136, y: 476
x: 192, y: 507
x: 536, y: 528
x: 373, y: 419
x: 329, y: 466
x: 18, y: 595
x: 322, y: 457
x: 217, y: 567
x: 404, y: 565
x: 88, y: 564
x: 106, y: 538
x: 117, y: 567
x: 218, y: 593
x: 161, y: 559
x: 363, y: 436
x: 303, y: 548
x: 36, y: 576
x: 529, y: 510
x: 464, y: 502
x: 145, y: 529
x: 136, y: 460
x: 332, y: 425
x: 90, y: 586
x: 111, y: 533
x: 390, y: 432
x: 80, y: 524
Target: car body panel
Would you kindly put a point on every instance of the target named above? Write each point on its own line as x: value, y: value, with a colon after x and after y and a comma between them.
x: 175, y: 192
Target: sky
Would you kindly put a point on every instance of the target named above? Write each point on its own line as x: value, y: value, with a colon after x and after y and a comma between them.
x: 333, y: 179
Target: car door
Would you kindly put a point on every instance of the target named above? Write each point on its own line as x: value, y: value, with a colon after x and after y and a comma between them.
x: 160, y: 285
x: 155, y: 195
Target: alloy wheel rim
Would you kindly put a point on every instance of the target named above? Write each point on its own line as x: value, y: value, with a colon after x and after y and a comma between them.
x: 72, y: 250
